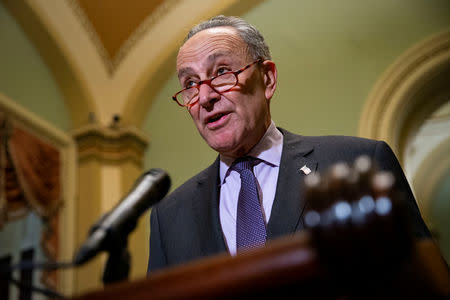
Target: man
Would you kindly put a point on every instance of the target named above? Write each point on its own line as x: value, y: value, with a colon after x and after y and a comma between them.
x: 228, y: 79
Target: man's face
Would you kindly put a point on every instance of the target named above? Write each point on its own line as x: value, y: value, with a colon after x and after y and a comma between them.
x: 233, y: 122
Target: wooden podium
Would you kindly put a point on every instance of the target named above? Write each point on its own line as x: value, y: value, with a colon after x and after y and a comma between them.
x: 288, y: 266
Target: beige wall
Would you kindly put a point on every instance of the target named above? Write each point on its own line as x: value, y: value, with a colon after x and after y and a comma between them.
x: 25, y: 77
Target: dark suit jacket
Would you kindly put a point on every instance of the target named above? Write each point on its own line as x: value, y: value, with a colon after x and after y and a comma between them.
x: 185, y: 226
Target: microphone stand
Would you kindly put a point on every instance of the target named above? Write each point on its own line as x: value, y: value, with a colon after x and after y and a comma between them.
x: 117, y: 266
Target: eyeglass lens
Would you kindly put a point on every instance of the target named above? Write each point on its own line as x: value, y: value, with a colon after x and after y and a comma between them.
x: 220, y: 84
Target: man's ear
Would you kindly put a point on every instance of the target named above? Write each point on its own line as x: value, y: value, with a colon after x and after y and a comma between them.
x: 270, y: 78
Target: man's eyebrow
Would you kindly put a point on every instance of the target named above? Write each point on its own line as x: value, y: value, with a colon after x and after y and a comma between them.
x: 185, y: 71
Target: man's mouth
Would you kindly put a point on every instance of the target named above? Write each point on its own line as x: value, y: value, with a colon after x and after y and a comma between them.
x: 216, y: 120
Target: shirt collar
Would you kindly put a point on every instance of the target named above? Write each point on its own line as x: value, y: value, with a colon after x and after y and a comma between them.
x: 268, y: 150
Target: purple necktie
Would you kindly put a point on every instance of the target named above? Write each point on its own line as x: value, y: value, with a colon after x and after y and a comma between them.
x: 250, y: 226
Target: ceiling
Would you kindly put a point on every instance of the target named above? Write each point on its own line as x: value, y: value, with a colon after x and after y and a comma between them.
x: 114, y: 21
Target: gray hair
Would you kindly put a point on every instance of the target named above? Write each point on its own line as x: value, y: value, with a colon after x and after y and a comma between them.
x: 257, y: 47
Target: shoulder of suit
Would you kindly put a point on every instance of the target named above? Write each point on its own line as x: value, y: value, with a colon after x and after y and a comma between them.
x: 329, y: 139
x: 340, y: 140
x: 332, y: 143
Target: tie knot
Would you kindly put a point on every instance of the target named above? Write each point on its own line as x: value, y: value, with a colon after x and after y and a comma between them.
x: 244, y: 163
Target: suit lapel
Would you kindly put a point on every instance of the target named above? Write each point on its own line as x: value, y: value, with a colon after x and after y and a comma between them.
x: 206, y: 210
x: 288, y: 204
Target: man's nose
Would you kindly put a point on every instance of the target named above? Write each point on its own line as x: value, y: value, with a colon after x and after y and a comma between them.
x: 207, y: 95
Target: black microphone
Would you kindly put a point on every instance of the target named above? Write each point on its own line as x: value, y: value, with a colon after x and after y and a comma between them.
x: 113, y: 228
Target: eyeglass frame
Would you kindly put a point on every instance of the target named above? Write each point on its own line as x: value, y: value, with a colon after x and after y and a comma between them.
x: 208, y: 82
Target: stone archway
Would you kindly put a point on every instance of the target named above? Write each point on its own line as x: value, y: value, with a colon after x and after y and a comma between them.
x: 408, y: 92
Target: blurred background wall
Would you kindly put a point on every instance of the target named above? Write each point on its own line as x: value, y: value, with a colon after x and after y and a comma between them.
x: 100, y: 76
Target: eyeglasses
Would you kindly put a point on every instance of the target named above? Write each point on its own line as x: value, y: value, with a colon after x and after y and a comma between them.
x: 222, y: 83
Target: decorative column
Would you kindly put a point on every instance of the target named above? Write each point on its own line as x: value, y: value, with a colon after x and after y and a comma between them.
x: 110, y: 159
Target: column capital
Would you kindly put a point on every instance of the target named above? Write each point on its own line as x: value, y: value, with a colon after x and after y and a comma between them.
x: 111, y: 144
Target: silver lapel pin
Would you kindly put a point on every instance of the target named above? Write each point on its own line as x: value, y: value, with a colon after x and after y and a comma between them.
x: 305, y: 170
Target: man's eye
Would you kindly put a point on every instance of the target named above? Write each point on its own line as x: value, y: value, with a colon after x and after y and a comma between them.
x: 222, y: 70
x: 189, y: 84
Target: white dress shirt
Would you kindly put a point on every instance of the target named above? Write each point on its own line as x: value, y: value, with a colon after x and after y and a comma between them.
x: 268, y: 150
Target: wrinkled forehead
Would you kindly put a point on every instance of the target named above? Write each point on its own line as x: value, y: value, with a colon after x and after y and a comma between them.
x: 209, y: 44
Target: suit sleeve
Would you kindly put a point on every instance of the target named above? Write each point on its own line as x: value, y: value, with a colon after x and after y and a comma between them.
x: 157, y: 258
x: 386, y: 160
